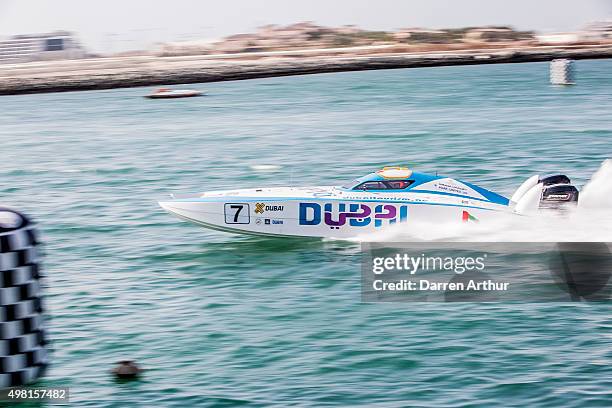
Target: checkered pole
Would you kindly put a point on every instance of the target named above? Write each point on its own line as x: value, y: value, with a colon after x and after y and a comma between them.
x: 23, y: 352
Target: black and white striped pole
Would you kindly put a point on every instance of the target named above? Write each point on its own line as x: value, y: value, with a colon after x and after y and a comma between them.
x: 23, y: 344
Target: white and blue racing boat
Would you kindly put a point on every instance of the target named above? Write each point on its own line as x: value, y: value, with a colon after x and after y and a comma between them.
x: 387, y: 197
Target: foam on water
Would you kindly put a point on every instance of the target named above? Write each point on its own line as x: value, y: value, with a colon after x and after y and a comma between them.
x: 597, y: 193
x: 265, y: 167
x: 590, y: 221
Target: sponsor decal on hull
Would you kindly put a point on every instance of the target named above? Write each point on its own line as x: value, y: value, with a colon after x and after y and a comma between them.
x: 356, y: 215
x: 269, y: 221
x: 261, y: 208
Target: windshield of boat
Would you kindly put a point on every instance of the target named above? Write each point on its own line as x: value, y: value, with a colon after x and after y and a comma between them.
x: 350, y: 184
x: 379, y: 185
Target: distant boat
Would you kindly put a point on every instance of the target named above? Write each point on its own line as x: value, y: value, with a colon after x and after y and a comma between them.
x: 167, y: 93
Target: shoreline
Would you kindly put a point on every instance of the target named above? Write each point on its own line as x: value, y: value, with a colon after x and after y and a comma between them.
x: 129, y: 72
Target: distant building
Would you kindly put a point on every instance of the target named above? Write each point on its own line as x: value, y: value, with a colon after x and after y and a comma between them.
x: 598, y: 31
x: 236, y: 43
x: 193, y: 47
x: 308, y: 36
x: 558, y: 38
x: 349, y: 29
x: 496, y: 34
x: 273, y: 37
x: 40, y: 47
x: 421, y: 35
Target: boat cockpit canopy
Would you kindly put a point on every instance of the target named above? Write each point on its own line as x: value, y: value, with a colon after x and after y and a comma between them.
x: 389, y: 178
x: 383, y: 185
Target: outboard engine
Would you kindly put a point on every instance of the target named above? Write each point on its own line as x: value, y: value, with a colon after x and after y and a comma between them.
x: 558, y: 192
x: 551, y: 192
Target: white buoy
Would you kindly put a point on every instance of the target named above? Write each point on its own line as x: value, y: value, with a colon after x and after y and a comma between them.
x: 23, y: 344
x: 562, y: 72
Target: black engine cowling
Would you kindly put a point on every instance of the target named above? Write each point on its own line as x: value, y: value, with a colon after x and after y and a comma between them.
x: 558, y: 192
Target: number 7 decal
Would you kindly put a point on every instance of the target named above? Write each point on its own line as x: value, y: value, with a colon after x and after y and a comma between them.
x: 237, y: 213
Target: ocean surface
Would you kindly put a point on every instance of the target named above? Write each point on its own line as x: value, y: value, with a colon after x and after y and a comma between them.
x: 227, y: 320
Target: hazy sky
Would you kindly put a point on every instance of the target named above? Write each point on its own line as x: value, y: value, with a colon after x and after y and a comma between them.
x: 113, y: 25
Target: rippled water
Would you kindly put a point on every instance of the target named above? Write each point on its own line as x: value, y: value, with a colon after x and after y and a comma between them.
x: 222, y: 320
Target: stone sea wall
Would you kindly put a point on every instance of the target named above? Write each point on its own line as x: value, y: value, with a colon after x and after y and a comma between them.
x: 108, y: 73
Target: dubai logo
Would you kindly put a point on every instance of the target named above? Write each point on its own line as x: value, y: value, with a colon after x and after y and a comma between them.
x: 260, y: 208
x: 358, y: 215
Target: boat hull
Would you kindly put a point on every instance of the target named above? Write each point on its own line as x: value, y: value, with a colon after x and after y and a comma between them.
x: 325, y: 218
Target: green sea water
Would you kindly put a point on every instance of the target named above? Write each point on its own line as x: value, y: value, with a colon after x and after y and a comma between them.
x: 225, y: 320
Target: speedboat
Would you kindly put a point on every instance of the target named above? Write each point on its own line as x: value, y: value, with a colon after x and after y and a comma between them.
x: 166, y: 93
x: 389, y: 196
